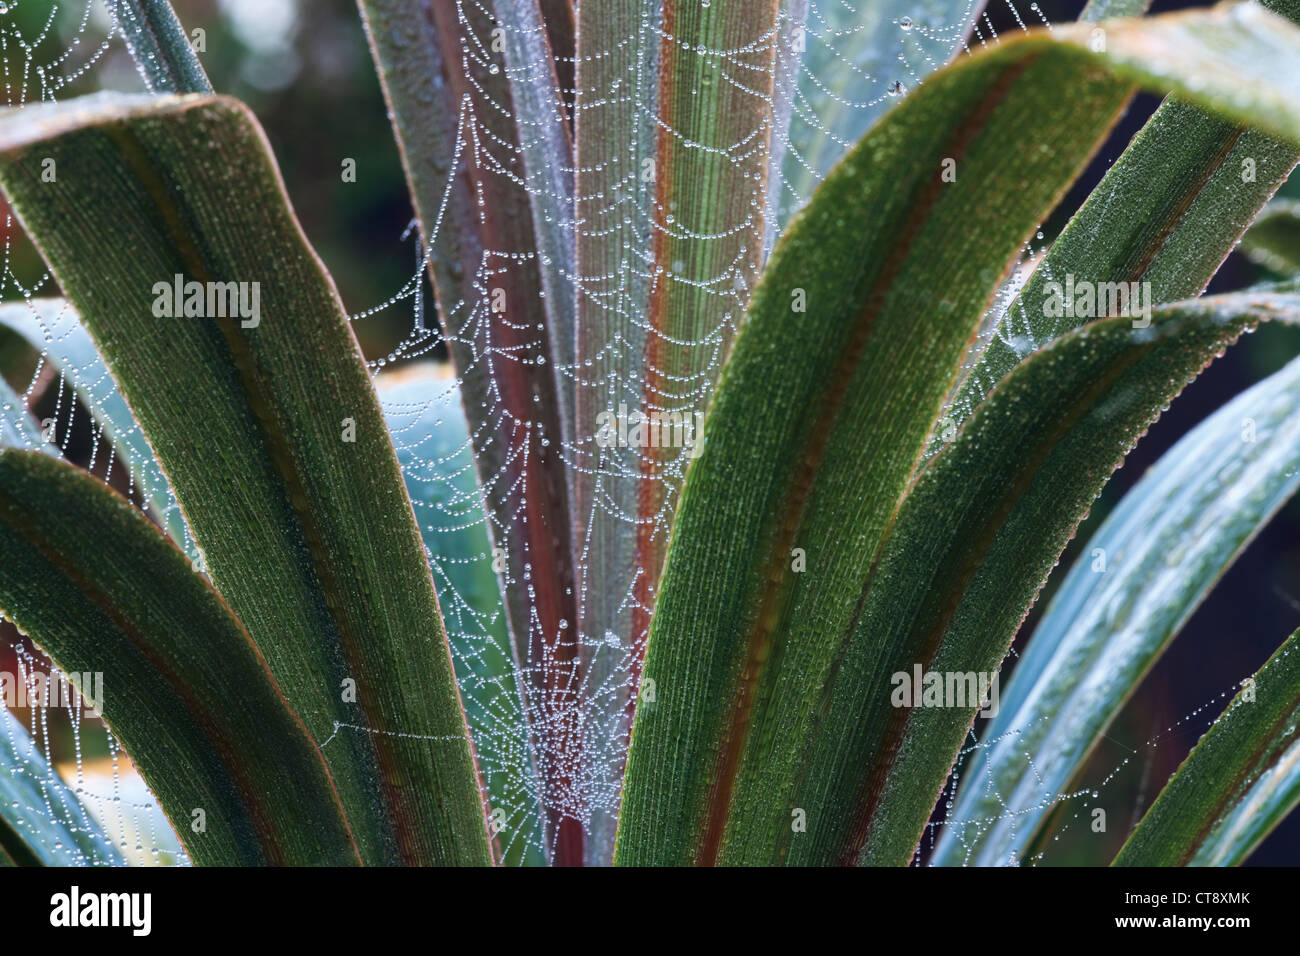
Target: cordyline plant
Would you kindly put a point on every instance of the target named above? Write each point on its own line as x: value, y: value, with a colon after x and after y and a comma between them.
x: 722, y: 647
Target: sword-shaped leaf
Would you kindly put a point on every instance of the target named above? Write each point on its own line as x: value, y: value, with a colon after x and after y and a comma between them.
x: 229, y: 343
x: 972, y: 545
x: 761, y: 667
x: 1166, y: 213
x: 185, y: 690
x: 1140, y: 577
x: 1239, y: 782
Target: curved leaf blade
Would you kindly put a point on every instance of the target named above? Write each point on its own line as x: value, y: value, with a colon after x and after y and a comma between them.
x: 1165, y: 546
x: 1273, y: 241
x: 261, y: 413
x: 782, y: 466
x: 1238, y: 783
x: 978, y: 536
x: 52, y: 328
x: 102, y: 591
x: 1167, y: 212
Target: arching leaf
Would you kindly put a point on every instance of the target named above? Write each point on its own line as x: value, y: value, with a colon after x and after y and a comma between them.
x: 1239, y: 783
x: 101, y: 591
x: 748, y: 661
x: 1167, y: 213
x: 1140, y: 577
x: 258, y: 405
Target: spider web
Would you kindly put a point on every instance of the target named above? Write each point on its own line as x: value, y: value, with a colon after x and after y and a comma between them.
x: 834, y: 67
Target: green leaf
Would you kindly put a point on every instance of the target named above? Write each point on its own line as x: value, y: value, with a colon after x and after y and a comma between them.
x: 709, y: 181
x: 673, y: 244
x: 437, y: 87
x: 973, y: 543
x: 1273, y: 241
x: 433, y: 446
x: 162, y: 53
x: 1239, y: 782
x: 52, y: 328
x: 92, y: 582
x: 1135, y: 585
x: 749, y: 660
x: 1167, y: 212
x: 266, y: 423
x: 41, y: 820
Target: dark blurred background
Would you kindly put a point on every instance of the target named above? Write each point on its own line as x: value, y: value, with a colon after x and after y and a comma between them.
x: 304, y: 68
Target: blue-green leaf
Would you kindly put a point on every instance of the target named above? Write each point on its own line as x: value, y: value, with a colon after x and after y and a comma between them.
x: 40, y: 811
x: 1136, y: 584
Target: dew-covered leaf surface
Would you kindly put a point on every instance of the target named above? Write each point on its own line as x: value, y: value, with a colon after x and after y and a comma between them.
x: 264, y: 419
x: 1140, y: 577
x: 100, y: 590
x: 763, y: 672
